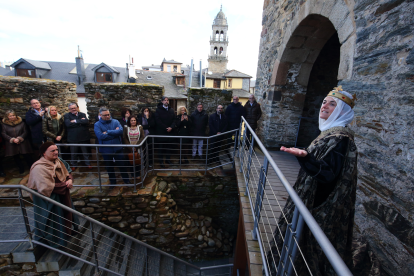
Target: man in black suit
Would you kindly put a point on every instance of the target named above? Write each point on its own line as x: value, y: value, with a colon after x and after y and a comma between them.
x: 218, y: 124
x: 77, y: 126
x: 164, y: 120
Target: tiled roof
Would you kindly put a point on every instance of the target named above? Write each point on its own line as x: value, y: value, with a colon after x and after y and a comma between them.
x: 171, y: 61
x: 241, y: 93
x: 165, y: 79
x: 215, y: 76
x: 63, y: 71
x: 236, y: 74
x: 105, y: 65
x: 37, y: 64
x: 4, y: 71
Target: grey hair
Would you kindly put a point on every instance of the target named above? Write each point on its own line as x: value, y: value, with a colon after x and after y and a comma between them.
x: 10, y: 111
x: 102, y: 109
x: 72, y: 104
x: 236, y: 97
x: 163, y: 98
x: 33, y: 99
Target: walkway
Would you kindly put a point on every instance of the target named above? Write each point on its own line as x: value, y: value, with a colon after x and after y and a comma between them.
x: 275, y: 195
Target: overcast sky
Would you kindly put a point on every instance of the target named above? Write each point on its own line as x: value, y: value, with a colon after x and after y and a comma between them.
x: 110, y: 31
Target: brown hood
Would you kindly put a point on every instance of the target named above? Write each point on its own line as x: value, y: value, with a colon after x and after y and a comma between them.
x: 10, y: 123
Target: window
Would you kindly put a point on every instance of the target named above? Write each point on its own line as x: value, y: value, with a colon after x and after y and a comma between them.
x: 221, y: 36
x: 221, y: 50
x: 26, y: 73
x: 175, y: 68
x: 215, y: 50
x: 230, y: 81
x: 103, y: 77
x: 180, y: 81
x: 216, y: 83
x: 217, y: 36
x: 168, y: 68
x: 149, y: 78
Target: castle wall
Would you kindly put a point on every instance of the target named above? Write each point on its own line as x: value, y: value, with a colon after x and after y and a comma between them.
x: 376, y: 64
x: 16, y: 93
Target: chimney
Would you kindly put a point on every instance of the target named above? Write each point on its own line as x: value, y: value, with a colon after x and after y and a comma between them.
x: 80, y: 67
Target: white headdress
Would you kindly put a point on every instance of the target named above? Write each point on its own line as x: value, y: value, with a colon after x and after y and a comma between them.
x: 343, y: 113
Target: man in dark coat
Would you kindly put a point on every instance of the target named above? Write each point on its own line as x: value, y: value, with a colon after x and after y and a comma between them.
x: 200, y: 122
x: 164, y: 120
x: 253, y: 114
x: 218, y: 124
x: 77, y: 126
x: 234, y: 112
x: 34, y: 117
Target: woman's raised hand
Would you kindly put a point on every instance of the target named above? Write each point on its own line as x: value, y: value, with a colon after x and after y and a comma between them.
x: 295, y: 151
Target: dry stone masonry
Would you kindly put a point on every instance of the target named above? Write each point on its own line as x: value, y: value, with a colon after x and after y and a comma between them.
x: 116, y: 96
x: 209, y: 97
x: 16, y: 93
x: 374, y: 59
x: 193, y: 217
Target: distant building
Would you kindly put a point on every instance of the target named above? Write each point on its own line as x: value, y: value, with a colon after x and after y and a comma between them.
x: 252, y: 86
x: 152, y: 68
x: 217, y: 60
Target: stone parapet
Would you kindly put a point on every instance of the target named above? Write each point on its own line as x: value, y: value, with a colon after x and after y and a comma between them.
x: 16, y: 93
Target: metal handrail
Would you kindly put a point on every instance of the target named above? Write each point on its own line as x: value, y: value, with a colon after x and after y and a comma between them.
x: 33, y: 192
x: 326, y: 246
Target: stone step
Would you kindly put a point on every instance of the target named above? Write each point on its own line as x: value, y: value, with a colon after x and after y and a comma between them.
x: 53, y: 261
x: 23, y: 254
x: 153, y: 263
x: 167, y: 266
x: 73, y: 267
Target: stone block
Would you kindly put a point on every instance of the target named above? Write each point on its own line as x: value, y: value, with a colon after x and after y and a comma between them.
x: 347, y: 60
x: 337, y: 16
x: 296, y: 42
x: 346, y: 29
x: 316, y: 6
x: 295, y: 55
x: 314, y: 43
x: 304, y: 73
x: 327, y: 7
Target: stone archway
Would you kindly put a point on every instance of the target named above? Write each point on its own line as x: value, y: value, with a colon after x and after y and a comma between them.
x: 301, y: 46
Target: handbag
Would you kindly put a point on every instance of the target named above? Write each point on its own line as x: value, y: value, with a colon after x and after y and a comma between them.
x: 136, y: 156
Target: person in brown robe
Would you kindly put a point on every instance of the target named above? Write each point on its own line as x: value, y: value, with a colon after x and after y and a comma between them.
x: 50, y: 176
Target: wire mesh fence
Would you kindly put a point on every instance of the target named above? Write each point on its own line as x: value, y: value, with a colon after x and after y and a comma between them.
x: 277, y: 231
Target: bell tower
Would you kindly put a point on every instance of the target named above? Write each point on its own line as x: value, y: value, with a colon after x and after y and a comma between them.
x: 217, y: 60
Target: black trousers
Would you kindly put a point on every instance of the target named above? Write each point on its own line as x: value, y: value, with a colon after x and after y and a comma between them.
x: 19, y: 162
x: 249, y: 137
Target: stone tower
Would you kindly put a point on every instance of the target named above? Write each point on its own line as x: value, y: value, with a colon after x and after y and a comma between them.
x: 217, y: 60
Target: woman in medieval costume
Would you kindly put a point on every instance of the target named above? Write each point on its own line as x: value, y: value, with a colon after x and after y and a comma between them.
x: 51, y: 177
x: 327, y: 186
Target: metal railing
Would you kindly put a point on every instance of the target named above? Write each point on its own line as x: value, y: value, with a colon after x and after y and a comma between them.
x: 267, y: 202
x: 101, y: 160
x: 87, y: 246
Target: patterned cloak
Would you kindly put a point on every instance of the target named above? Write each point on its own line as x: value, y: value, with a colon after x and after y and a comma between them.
x: 335, y: 215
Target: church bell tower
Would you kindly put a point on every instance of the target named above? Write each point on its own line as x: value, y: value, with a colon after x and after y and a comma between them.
x: 217, y: 60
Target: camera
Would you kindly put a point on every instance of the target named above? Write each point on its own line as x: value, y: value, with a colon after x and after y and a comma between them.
x: 185, y: 113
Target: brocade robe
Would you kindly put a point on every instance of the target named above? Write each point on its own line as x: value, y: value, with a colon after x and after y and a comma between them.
x: 327, y: 186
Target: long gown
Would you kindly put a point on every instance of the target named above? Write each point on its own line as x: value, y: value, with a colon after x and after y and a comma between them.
x: 327, y: 186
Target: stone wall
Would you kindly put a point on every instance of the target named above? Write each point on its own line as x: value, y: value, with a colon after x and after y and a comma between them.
x: 116, y: 96
x: 16, y: 93
x: 376, y: 64
x: 209, y: 97
x: 193, y: 217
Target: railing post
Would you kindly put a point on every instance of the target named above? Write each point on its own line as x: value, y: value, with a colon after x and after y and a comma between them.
x: 298, y: 234
x: 95, y: 253
x: 241, y: 150
x: 181, y: 141
x: 146, y: 160
x: 99, y: 169
x: 249, y: 162
x: 141, y: 173
x: 25, y: 218
x: 288, y: 243
x: 153, y: 154
x: 259, y: 197
x: 134, y: 170
x: 208, y: 139
x: 234, y: 150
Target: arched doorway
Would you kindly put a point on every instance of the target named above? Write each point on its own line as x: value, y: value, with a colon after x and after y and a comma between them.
x: 306, y: 71
x: 322, y: 79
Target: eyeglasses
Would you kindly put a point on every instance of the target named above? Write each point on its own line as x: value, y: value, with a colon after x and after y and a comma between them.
x: 105, y: 115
